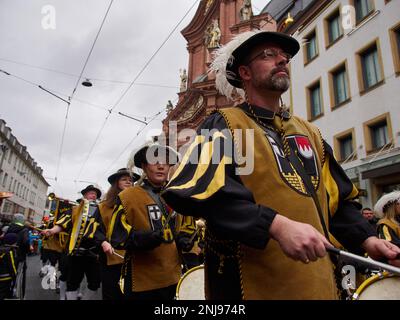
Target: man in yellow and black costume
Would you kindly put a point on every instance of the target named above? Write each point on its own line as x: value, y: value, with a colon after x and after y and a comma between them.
x: 81, y: 225
x: 265, y: 237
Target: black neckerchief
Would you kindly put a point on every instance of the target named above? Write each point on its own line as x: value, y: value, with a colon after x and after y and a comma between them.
x: 263, y: 114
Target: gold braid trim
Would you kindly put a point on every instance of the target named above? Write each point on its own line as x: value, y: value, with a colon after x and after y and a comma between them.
x: 323, y: 148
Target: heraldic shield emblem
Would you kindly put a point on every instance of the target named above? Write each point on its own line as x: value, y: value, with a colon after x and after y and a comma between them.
x: 305, y: 152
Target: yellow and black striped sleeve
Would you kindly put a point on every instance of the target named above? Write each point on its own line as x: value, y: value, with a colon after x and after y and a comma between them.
x: 186, y: 224
x: 387, y: 233
x: 119, y: 231
x: 345, y: 220
x: 206, y: 185
x: 65, y: 221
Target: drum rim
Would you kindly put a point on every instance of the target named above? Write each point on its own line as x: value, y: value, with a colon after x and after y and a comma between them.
x: 184, y: 276
x: 369, y: 281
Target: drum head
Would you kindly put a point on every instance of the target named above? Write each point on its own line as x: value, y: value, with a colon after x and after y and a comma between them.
x: 379, y: 287
x: 191, y: 285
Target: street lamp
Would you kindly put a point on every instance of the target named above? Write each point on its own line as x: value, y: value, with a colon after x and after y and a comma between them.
x: 87, y: 83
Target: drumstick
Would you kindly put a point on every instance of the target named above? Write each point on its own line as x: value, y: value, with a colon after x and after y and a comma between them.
x: 35, y: 228
x: 369, y: 262
x: 118, y: 255
x: 200, y: 225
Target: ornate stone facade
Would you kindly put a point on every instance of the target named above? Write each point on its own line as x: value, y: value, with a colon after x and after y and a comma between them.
x: 200, y: 97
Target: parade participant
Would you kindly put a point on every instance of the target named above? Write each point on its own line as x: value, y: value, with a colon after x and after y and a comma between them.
x: 82, y: 252
x: 271, y: 198
x: 111, y: 265
x: 8, y: 266
x: 144, y: 226
x: 388, y: 210
x: 23, y: 248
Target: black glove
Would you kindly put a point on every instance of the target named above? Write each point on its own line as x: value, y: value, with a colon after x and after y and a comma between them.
x: 184, y: 243
x: 145, y: 240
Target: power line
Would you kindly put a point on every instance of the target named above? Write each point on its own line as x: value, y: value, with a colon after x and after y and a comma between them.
x: 94, y: 144
x: 137, y: 76
x: 54, y: 93
x: 132, y: 140
x: 155, y: 85
x: 62, y: 141
x: 77, y: 83
x: 91, y: 49
x: 152, y: 57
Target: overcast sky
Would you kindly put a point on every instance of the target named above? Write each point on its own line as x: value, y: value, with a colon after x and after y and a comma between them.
x: 131, y: 34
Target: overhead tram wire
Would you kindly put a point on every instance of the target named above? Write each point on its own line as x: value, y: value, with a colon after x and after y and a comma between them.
x: 77, y: 83
x: 134, y: 80
x: 91, y: 49
x: 155, y: 85
x: 58, y: 95
x: 132, y: 140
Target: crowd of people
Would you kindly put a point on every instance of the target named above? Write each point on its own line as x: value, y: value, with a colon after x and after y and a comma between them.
x: 252, y: 231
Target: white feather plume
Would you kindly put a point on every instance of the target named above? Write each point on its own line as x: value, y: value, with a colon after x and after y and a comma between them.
x: 221, y: 57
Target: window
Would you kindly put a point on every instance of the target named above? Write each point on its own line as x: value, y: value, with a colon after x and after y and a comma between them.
x: 339, y: 85
x: 363, y: 9
x: 370, y: 68
x: 10, y: 157
x: 11, y: 181
x: 344, y: 144
x: 395, y: 43
x: 346, y: 147
x: 5, y: 180
x: 314, y: 101
x: 378, y: 133
x: 310, y: 48
x: 333, y: 28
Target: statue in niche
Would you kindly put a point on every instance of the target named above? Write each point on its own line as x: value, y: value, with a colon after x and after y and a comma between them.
x: 208, y: 5
x: 169, y: 107
x: 213, y: 35
x: 246, y: 12
x: 184, y: 79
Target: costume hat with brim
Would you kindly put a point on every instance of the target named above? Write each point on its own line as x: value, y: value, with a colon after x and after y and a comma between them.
x: 287, y: 43
x: 123, y: 172
x: 385, y: 202
x: 228, y: 58
x: 91, y: 188
x: 155, y: 152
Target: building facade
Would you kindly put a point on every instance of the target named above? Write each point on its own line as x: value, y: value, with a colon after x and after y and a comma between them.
x: 22, y: 176
x: 345, y: 80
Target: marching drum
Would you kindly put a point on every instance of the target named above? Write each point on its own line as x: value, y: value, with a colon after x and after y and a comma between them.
x: 382, y: 286
x: 191, y: 285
